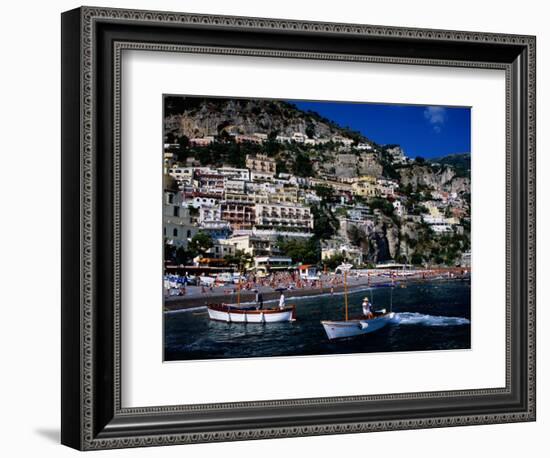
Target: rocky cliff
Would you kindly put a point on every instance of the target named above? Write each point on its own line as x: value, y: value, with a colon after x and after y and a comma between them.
x: 195, y: 117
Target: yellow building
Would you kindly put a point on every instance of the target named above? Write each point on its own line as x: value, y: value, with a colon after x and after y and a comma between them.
x: 365, y: 186
x: 261, y: 163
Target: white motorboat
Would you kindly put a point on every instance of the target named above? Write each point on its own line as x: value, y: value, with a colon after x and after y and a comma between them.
x: 352, y: 328
x: 355, y: 327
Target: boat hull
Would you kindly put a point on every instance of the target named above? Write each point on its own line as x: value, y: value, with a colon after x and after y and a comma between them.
x: 353, y: 328
x: 232, y: 315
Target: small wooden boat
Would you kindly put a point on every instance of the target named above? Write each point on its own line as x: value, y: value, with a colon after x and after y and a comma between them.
x: 359, y: 326
x: 234, y: 314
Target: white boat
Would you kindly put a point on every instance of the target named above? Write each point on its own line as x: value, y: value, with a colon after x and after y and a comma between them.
x: 206, y: 280
x: 356, y: 327
x: 233, y: 314
x: 352, y: 328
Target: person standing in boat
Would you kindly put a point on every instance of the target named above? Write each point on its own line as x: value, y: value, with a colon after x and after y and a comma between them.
x: 259, y: 300
x: 366, y: 308
x: 282, y: 301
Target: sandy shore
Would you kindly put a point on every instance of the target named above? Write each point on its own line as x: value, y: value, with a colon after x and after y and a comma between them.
x: 195, y: 297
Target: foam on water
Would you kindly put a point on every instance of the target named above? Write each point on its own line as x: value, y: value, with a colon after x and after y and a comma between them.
x: 405, y: 318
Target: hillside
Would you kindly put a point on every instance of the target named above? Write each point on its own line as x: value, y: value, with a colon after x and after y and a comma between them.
x: 461, y: 162
x: 317, y: 155
x: 198, y: 117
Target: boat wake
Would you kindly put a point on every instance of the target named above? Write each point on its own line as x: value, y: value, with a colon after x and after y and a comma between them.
x: 421, y: 319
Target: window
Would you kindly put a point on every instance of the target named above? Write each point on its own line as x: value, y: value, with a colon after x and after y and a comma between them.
x: 188, y: 233
x: 170, y: 198
x: 175, y: 232
x: 176, y: 211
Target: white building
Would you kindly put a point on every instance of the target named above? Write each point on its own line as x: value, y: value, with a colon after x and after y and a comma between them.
x: 186, y: 174
x: 272, y: 262
x: 283, y: 139
x: 386, y: 188
x: 398, y: 208
x: 256, y: 175
x: 441, y: 228
x: 234, y: 173
x: 343, y: 140
x: 209, y: 213
x: 234, y: 186
x: 220, y: 249
x: 178, y: 225
x: 201, y: 141
x: 204, y: 200
x: 364, y: 147
x: 284, y: 215
x: 253, y: 244
x: 299, y: 137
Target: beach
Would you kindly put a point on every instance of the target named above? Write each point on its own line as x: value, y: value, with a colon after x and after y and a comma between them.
x: 328, y: 284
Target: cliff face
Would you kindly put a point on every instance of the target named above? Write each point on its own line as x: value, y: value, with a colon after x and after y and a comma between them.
x: 246, y: 117
x: 424, y: 175
x: 383, y: 241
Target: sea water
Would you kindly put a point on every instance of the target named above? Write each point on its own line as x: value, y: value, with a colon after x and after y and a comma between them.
x: 430, y: 316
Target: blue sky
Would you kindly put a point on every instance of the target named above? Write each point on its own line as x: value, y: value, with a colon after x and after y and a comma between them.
x: 421, y: 130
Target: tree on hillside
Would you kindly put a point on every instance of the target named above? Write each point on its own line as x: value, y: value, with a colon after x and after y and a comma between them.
x: 239, y: 259
x: 305, y: 251
x: 200, y: 243
x: 334, y: 261
x: 303, y: 166
x: 382, y: 204
x: 325, y: 222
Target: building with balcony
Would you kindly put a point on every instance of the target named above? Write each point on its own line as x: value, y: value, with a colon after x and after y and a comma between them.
x: 253, y: 244
x: 261, y: 163
x: 281, y: 215
x: 239, y: 214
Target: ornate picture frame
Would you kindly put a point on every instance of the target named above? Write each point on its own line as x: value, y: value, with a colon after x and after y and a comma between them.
x: 92, y: 413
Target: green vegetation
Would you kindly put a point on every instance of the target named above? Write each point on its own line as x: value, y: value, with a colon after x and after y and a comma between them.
x: 383, y: 205
x: 200, y: 243
x: 240, y: 259
x: 461, y: 163
x: 305, y: 251
x: 325, y: 223
x: 302, y: 167
x: 443, y: 249
x: 334, y: 261
x: 178, y: 255
x: 325, y: 193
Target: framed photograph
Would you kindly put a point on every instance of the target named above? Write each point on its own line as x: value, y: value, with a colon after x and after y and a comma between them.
x: 277, y: 228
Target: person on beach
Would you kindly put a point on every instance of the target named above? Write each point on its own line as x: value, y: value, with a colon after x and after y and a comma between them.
x: 282, y: 301
x: 259, y: 300
x: 366, y: 308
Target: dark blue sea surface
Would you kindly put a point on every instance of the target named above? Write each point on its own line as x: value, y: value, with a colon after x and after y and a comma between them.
x: 432, y: 316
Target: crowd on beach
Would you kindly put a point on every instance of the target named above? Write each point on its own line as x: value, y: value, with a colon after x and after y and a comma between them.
x: 177, y: 285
